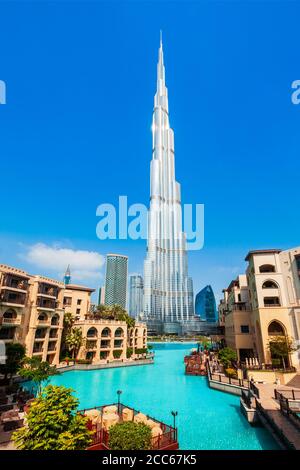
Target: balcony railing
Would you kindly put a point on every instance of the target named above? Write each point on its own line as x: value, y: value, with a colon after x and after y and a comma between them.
x: 10, y: 297
x: 11, y: 321
x: 46, y: 303
x: 167, y: 440
x: 48, y: 290
x: 15, y: 282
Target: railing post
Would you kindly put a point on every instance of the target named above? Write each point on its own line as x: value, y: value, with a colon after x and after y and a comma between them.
x: 220, y: 378
x: 293, y: 393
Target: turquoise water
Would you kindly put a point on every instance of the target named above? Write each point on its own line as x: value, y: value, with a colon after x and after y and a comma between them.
x: 207, y: 419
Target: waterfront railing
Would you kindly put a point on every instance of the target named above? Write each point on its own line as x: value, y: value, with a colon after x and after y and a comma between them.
x: 169, y: 436
x: 223, y: 379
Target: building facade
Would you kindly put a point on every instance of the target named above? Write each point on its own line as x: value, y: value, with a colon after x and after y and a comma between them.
x: 265, y: 304
x: 166, y: 281
x: 116, y: 280
x: 31, y: 312
x: 109, y: 340
x: 136, y: 295
x: 205, y: 305
x: 77, y: 300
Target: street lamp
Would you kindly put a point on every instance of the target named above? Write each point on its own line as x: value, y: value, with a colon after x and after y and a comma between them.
x: 174, y: 414
x: 119, y: 392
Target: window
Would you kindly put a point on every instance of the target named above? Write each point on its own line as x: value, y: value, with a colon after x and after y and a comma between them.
x: 67, y: 300
x: 270, y: 285
x: 267, y: 268
x: 244, y: 328
x: 78, y: 301
x: 78, y: 311
x: 271, y: 302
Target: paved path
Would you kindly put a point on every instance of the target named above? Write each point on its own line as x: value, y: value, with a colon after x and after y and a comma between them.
x: 272, y: 409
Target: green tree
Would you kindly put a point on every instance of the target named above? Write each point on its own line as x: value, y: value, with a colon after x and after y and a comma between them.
x: 280, y: 348
x: 37, y: 371
x: 74, y: 340
x: 129, y: 352
x: 227, y: 356
x: 69, y: 321
x: 53, y: 424
x: 130, y: 436
x: 15, y: 353
x: 115, y: 312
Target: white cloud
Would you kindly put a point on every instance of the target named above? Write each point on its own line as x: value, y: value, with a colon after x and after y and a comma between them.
x: 85, y: 265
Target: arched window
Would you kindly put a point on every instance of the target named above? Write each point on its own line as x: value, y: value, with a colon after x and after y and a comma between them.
x: 267, y: 268
x: 105, y: 332
x: 92, y: 333
x: 55, y: 320
x: 10, y: 314
x: 119, y: 332
x: 275, y: 329
x: 43, y: 317
x: 270, y: 285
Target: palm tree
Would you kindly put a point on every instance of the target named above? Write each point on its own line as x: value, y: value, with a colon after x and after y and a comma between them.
x: 74, y: 340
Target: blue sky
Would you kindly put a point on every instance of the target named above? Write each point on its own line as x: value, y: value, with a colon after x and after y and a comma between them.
x: 76, y: 129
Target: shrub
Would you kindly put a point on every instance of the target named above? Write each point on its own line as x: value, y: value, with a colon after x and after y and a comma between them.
x: 129, y: 352
x: 53, y: 424
x: 117, y: 353
x: 130, y: 436
x: 141, y: 351
x: 230, y: 372
x: 227, y: 356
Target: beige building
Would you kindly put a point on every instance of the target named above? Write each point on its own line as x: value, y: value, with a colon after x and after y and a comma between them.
x: 237, y: 318
x: 31, y: 312
x: 264, y: 304
x: 77, y: 300
x: 108, y: 340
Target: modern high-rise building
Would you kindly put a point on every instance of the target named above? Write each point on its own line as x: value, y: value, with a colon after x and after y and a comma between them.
x: 136, y: 295
x: 205, y: 305
x: 116, y: 280
x: 101, y: 296
x: 166, y: 281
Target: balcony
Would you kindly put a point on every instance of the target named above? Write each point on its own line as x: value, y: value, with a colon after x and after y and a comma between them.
x: 118, y: 343
x: 7, y: 333
x: 52, y: 346
x: 11, y: 321
x: 48, y: 290
x: 37, y: 348
x: 46, y: 304
x: 15, y: 282
x: 12, y: 298
x: 239, y: 306
x: 271, y: 302
x: 91, y: 344
x: 105, y: 344
x: 53, y: 334
x: 40, y: 334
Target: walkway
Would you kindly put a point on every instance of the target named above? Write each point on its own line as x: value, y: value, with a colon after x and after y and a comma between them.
x: 271, y: 409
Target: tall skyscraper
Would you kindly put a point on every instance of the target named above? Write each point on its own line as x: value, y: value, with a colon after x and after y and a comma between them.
x: 166, y: 282
x: 136, y: 295
x: 116, y: 280
x: 205, y: 305
x: 101, y: 297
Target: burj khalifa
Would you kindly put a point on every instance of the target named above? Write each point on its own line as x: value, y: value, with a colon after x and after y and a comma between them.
x: 168, y: 290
